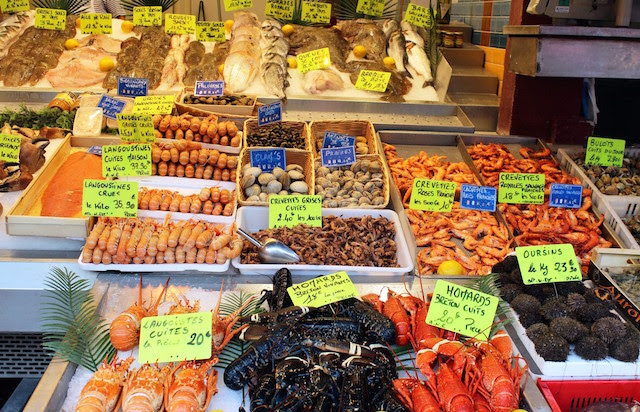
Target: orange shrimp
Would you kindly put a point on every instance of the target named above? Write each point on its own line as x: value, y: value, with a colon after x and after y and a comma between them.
x: 132, y: 244
x: 193, y: 237
x: 92, y: 239
x: 121, y: 253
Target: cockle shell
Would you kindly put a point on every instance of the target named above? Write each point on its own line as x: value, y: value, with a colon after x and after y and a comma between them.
x: 299, y: 187
x: 252, y: 190
x: 296, y: 175
x: 274, y: 186
x: 265, y: 178
x: 247, y: 180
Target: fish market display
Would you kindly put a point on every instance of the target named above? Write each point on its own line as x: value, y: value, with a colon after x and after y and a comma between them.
x: 273, y: 69
x: 200, y: 66
x: 365, y: 241
x: 205, y: 130
x: 360, y: 185
x: 214, y: 201
x: 258, y: 185
x: 174, y: 68
x: 243, y: 62
x: 122, y: 241
x: 613, y: 180
x: 367, y: 33
x: 230, y: 100
x: 184, y: 158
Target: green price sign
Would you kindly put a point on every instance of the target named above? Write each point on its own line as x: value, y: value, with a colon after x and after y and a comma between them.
x: 521, y: 188
x: 109, y: 198
x: 605, y: 152
x: 126, y: 160
x: 323, y: 290
x: 432, y: 195
x: 548, y: 263
x: 294, y: 210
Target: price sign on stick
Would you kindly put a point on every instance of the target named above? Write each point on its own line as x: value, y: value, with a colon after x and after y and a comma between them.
x: 418, y: 16
x: 293, y: 210
x: 371, y: 7
x: 231, y: 5
x: 10, y: 148
x: 180, y: 24
x: 605, y: 152
x: 316, y: 12
x: 373, y: 80
x: 521, y: 188
x: 280, y: 9
x: 136, y: 128
x: 432, y: 195
x: 323, y: 290
x: 147, y: 16
x: 95, y: 23
x: 548, y: 263
x: 109, y: 198
x: 50, y: 19
x: 210, y: 31
x: 314, y: 60
x: 462, y: 310
x: 174, y: 338
x: 14, y: 6
x: 126, y: 160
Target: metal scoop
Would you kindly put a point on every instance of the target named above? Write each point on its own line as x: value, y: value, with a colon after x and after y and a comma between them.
x: 272, y: 251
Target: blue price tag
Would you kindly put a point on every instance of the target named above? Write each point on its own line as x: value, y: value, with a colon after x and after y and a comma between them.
x: 478, y: 197
x: 268, y: 159
x: 209, y: 88
x: 132, y: 86
x: 110, y: 106
x: 567, y: 196
x: 270, y: 113
x: 96, y: 150
x: 339, y: 156
x: 332, y: 139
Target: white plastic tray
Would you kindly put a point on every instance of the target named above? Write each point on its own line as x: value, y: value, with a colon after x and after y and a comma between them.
x: 254, y: 218
x: 182, y: 182
x: 218, y: 147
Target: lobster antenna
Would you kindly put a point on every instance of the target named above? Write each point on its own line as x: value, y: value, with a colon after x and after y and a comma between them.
x: 140, y: 291
x: 400, y: 361
x: 422, y: 289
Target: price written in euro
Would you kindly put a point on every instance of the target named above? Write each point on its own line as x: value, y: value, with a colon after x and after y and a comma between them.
x: 136, y: 128
x: 95, y: 23
x: 210, y: 31
x: 14, y: 6
x: 174, y: 338
x: 156, y: 104
x: 371, y: 7
x: 373, y: 80
x: 180, y: 24
x: 605, y: 152
x: 521, y: 188
x: 231, y: 5
x: 323, y: 290
x: 147, y: 16
x: 109, y: 198
x: 50, y: 19
x: 9, y: 148
x: 315, y: 12
x: 314, y: 60
x: 418, y: 16
x: 290, y: 211
x: 462, y: 310
x: 432, y: 195
x: 126, y: 160
x: 280, y: 9
x: 548, y: 263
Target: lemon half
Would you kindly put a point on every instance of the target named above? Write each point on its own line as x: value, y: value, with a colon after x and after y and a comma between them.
x: 359, y: 52
x: 71, y: 44
x: 389, y: 62
x: 106, y: 64
x: 450, y: 267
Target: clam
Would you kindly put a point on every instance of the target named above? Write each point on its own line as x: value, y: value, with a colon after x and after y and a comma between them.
x: 252, y: 190
x: 266, y: 178
x: 278, y: 171
x: 285, y: 181
x: 293, y: 166
x: 274, y: 186
x: 283, y: 193
x: 254, y: 198
x: 263, y: 197
x: 255, y: 171
x: 247, y: 180
x: 323, y: 171
x: 296, y: 175
x: 299, y: 187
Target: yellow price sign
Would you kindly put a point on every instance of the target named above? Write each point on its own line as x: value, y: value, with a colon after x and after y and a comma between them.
x: 521, y: 188
x: 180, y: 24
x: 10, y: 148
x: 126, y: 160
x: 315, y: 12
x: 418, y: 16
x: 156, y: 104
x: 605, y: 152
x: 210, y: 31
x: 323, y: 290
x: 462, y: 310
x: 147, y: 16
x: 314, y: 60
x: 231, y: 5
x: 294, y: 210
x: 50, y: 19
x: 95, y: 23
x: 371, y: 7
x: 136, y: 128
x: 373, y: 80
x: 14, y: 6
x: 432, y: 195
x: 548, y: 263
x: 280, y: 9
x: 174, y: 338
x: 109, y: 198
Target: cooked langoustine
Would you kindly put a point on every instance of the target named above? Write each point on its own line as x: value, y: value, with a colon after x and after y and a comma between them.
x: 102, y: 392
x: 143, y: 390
x: 189, y: 386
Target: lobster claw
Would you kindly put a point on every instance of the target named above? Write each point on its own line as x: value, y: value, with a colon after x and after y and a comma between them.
x: 13, y: 177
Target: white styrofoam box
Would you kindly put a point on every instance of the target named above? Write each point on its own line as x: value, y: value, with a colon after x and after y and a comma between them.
x: 255, y: 218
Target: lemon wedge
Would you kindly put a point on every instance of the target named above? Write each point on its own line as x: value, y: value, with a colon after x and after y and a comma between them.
x: 106, y: 64
x: 127, y: 26
x: 359, y: 52
x: 71, y: 44
x: 450, y: 267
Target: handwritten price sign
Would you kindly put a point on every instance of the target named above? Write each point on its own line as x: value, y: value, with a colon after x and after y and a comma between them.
x: 280, y: 9
x: 231, y: 5
x: 548, y: 263
x: 147, y: 16
x: 605, y: 152
x: 314, y: 60
x: 323, y: 290
x: 294, y: 210
x: 95, y: 23
x: 14, y: 6
x: 418, y: 16
x: 50, y: 19
x: 109, y: 198
x: 521, y: 188
x: 314, y: 12
x: 371, y: 7
x: 210, y: 31
x: 432, y: 195
x: 126, y: 160
x: 155, y: 104
x: 180, y: 24
x: 373, y: 80
x: 136, y: 128
x: 10, y: 148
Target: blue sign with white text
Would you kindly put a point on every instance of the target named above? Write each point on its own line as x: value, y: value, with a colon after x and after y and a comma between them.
x: 110, y: 106
x: 332, y: 139
x: 567, y: 196
x: 268, y: 159
x: 270, y: 113
x: 96, y: 150
x: 132, y: 86
x: 209, y: 88
x: 478, y: 197
x: 339, y: 156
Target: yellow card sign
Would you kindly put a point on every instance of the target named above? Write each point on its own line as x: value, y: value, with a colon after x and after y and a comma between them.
x: 14, y: 6
x: 418, y: 16
x: 156, y: 104
x: 174, y: 338
x: 109, y: 198
x: 126, y: 160
x: 432, y: 195
x: 462, y: 310
x: 95, y: 23
x: 373, y: 80
x: 10, y: 148
x: 280, y: 9
x: 147, y: 16
x: 323, y: 290
x: 548, y: 263
x: 231, y: 5
x: 293, y: 210
x: 521, y: 188
x: 180, y: 24
x: 210, y: 31
x: 314, y: 60
x: 371, y: 7
x: 136, y: 128
x: 315, y: 12
x: 50, y: 19
x: 605, y: 152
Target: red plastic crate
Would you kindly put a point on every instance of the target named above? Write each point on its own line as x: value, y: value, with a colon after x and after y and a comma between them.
x: 575, y: 396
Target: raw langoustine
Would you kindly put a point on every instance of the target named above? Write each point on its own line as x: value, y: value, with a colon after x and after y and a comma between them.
x: 102, y: 391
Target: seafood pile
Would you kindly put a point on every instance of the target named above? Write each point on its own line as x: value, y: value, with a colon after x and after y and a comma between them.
x: 365, y: 241
x: 258, y: 185
x: 281, y: 134
x: 123, y: 241
x: 360, y: 185
x: 361, y: 145
x: 200, y: 65
x: 633, y: 223
x: 174, y: 68
x: 230, y: 100
x: 629, y: 282
x: 207, y: 130
x: 17, y: 176
x: 540, y: 224
x: 273, y: 68
x: 567, y: 317
x: 613, y: 180
x: 185, y: 158
x: 243, y: 61
x: 210, y: 201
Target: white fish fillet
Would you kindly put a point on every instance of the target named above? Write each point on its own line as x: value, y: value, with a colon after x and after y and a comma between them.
x: 74, y: 74
x: 317, y: 81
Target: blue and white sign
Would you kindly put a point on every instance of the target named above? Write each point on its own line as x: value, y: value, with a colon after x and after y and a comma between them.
x: 567, y: 196
x: 478, y: 197
x: 332, y: 139
x: 132, y: 86
x: 270, y: 113
x: 268, y: 159
x: 339, y: 156
x: 111, y: 107
x: 209, y: 88
x: 96, y: 150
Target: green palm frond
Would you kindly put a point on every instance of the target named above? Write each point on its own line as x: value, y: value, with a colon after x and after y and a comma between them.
x: 73, y: 7
x: 431, y: 46
x: 297, y: 16
x: 74, y: 329
x: 128, y: 5
x: 347, y: 10
x: 491, y: 286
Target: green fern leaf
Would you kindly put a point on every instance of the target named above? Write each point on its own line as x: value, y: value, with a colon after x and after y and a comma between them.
x: 491, y: 286
x: 347, y: 10
x: 73, y: 7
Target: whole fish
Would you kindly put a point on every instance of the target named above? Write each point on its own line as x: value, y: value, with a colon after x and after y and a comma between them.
x: 396, y: 49
x: 411, y: 35
x: 365, y: 33
x: 420, y: 63
x: 243, y: 62
x: 389, y: 26
x: 273, y: 69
